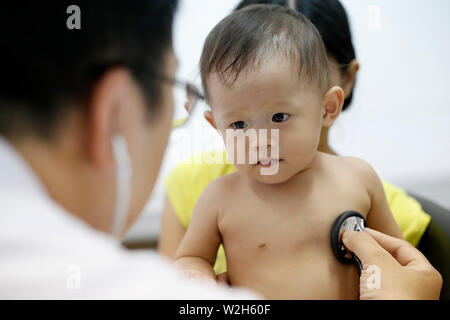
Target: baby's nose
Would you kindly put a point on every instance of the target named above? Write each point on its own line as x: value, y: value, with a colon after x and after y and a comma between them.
x: 264, y: 139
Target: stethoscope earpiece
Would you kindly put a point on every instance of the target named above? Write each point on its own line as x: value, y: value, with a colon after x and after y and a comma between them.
x: 349, y: 220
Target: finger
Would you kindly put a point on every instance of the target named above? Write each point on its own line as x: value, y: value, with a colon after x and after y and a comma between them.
x: 400, y: 249
x: 364, y: 247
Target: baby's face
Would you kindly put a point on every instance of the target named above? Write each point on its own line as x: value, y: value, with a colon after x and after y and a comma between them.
x: 270, y: 97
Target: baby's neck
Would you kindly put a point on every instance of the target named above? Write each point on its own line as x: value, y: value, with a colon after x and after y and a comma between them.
x: 323, y: 143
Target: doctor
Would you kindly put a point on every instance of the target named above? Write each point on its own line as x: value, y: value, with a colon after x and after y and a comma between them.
x: 84, y: 119
x: 85, y: 111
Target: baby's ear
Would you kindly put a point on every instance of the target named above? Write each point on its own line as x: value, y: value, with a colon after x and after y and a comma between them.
x: 210, y: 118
x: 332, y: 106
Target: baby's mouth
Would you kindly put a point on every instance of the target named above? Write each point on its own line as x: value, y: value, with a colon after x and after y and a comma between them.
x: 268, y: 162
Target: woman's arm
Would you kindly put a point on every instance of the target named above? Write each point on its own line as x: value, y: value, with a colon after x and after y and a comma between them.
x: 172, y: 231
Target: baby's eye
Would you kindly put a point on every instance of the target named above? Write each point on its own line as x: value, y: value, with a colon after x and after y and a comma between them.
x: 239, y: 125
x: 280, y: 117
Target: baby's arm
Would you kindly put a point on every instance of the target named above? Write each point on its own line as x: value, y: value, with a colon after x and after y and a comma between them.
x: 197, y: 252
x: 379, y: 216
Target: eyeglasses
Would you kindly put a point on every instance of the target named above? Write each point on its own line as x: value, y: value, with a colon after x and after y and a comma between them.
x: 185, y: 101
x: 186, y: 96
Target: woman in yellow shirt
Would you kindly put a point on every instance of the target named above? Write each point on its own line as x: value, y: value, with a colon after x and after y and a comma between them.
x: 187, y: 181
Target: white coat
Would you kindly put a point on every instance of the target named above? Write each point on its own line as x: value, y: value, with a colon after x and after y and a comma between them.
x: 48, y: 253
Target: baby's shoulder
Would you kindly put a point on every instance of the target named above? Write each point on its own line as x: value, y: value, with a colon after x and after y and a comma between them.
x: 223, y: 186
x: 348, y: 165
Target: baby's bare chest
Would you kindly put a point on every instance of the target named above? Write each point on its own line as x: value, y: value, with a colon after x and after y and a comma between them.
x: 288, y: 220
x: 277, y: 238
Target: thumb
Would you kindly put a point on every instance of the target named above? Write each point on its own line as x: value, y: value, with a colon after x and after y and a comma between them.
x: 365, y: 247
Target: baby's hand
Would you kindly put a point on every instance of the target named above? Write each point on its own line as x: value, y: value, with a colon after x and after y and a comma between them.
x: 198, y: 276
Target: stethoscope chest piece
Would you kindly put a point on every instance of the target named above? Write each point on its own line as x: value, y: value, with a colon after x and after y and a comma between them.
x: 349, y: 220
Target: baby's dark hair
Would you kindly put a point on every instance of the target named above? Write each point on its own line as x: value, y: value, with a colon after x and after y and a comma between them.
x: 244, y: 38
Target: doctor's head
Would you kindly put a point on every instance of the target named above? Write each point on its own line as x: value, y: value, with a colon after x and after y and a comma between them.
x: 86, y: 99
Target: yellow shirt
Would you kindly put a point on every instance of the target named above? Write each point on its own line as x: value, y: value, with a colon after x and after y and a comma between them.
x: 186, y: 182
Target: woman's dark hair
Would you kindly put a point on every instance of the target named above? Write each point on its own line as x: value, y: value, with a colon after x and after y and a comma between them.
x: 330, y: 19
x: 48, y: 68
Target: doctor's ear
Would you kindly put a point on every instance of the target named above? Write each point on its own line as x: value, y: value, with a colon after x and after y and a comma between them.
x: 210, y: 118
x: 109, y: 108
x: 332, y: 106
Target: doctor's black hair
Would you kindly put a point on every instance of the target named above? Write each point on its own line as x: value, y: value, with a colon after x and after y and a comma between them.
x: 48, y: 68
x: 246, y: 38
x: 330, y: 19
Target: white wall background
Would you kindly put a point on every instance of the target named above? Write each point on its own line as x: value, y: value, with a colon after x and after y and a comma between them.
x: 400, y: 117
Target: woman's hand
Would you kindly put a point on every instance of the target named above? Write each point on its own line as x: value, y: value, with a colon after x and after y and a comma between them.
x: 392, y: 268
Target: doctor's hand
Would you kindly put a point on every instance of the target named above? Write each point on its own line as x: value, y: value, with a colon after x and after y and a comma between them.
x: 392, y: 268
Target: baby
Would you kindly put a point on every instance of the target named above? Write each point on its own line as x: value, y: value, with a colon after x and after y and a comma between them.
x: 265, y: 67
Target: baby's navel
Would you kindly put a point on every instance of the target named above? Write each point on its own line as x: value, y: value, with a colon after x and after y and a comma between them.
x: 262, y: 246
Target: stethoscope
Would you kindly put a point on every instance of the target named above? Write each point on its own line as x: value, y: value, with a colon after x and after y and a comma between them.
x: 349, y: 220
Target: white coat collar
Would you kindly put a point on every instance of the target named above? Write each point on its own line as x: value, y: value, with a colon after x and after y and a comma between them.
x: 15, y: 172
